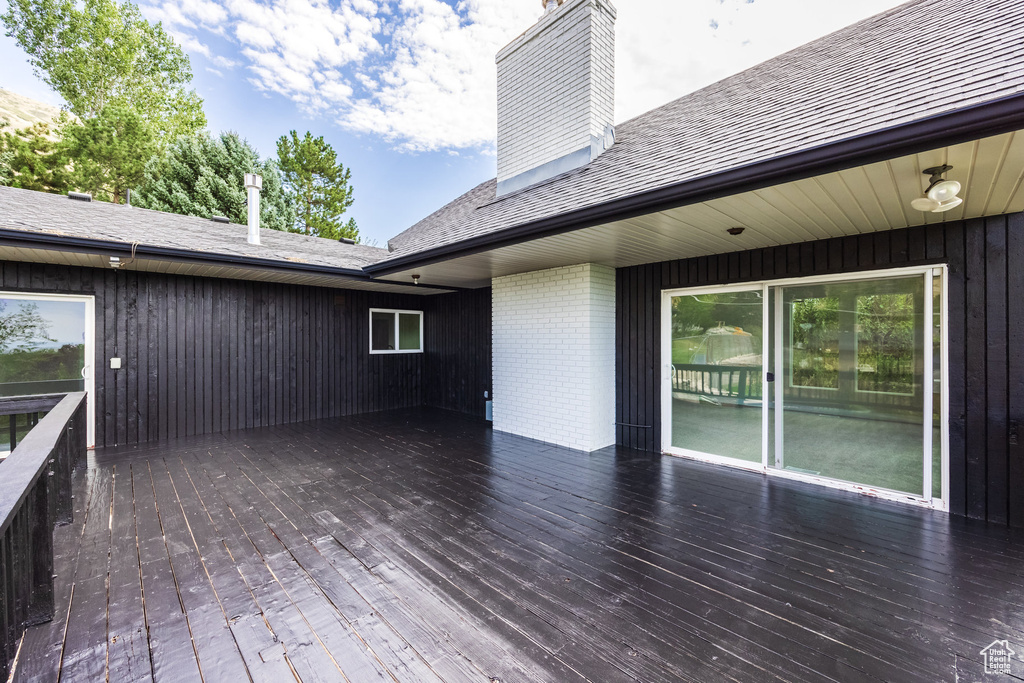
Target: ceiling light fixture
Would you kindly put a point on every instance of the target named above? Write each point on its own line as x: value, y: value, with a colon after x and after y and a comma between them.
x: 941, y: 194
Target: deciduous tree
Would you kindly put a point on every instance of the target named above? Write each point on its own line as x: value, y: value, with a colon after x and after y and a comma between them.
x: 97, y: 53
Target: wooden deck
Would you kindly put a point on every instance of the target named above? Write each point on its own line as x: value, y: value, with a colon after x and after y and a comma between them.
x: 420, y: 546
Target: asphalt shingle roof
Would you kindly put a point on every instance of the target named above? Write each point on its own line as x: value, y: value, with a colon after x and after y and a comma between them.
x: 918, y: 60
x: 52, y: 214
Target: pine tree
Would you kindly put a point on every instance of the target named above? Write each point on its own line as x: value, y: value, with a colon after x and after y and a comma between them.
x: 204, y: 176
x: 320, y: 185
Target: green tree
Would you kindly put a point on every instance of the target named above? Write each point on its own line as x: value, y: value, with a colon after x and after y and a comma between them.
x: 34, y: 160
x: 108, y: 152
x: 320, y: 185
x: 97, y: 53
x: 204, y: 176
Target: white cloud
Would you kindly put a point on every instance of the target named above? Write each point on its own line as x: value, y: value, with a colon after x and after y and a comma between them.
x: 420, y: 74
x: 438, y: 89
x: 667, y: 48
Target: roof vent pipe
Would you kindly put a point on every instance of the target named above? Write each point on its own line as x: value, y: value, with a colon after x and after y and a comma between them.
x: 253, y: 185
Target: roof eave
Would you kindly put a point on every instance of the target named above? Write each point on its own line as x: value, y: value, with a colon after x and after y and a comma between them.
x: 88, y: 245
x: 969, y: 123
x: 84, y: 245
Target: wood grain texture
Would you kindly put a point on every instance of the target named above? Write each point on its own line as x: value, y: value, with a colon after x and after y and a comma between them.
x: 986, y: 375
x: 419, y: 545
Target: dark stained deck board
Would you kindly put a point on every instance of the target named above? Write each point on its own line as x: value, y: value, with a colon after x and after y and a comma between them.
x: 419, y: 545
x: 694, y: 548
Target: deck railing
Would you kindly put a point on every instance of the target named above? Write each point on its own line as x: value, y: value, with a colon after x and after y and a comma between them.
x: 35, y: 496
x: 732, y: 383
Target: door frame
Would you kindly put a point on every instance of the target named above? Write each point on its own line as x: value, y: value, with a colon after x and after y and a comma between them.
x: 666, y: 375
x: 929, y: 272
x: 90, y: 347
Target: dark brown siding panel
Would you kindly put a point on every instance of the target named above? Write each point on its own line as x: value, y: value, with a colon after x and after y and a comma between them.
x: 457, y: 353
x: 957, y: 367
x: 975, y: 433
x: 203, y: 355
x: 986, y: 330
x: 1015, y: 370
x: 996, y: 366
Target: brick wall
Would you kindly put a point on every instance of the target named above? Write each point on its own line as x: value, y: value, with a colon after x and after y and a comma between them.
x: 553, y: 337
x: 556, y: 87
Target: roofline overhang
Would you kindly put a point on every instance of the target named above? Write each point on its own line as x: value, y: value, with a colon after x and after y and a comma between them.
x: 85, y: 245
x: 962, y: 125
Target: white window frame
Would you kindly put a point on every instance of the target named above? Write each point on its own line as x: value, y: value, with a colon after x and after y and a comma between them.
x: 396, y: 311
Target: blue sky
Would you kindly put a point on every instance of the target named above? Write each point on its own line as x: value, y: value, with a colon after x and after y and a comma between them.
x: 66, y: 320
x: 405, y: 90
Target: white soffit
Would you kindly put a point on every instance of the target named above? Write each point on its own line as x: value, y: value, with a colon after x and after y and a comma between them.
x: 68, y: 258
x: 859, y: 200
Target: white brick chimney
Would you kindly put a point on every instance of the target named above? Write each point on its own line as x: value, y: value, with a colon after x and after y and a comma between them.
x: 556, y: 93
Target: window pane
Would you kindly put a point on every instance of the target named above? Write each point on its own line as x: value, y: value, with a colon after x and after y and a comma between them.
x: 409, y: 331
x: 382, y: 331
x: 42, y: 346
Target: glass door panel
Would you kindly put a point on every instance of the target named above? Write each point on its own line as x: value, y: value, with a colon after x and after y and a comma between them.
x: 716, y: 374
x: 42, y: 346
x: 852, y: 381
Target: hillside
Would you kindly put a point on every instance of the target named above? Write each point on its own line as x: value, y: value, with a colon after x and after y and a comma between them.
x: 21, y: 112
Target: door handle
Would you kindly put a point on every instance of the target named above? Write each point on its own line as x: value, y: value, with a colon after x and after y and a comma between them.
x: 85, y: 371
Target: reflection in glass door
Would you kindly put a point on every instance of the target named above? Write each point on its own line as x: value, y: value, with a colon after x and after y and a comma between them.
x: 853, y: 382
x: 854, y: 374
x: 716, y: 371
x: 45, y: 345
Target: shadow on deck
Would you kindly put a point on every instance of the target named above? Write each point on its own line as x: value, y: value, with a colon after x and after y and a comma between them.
x: 418, y: 545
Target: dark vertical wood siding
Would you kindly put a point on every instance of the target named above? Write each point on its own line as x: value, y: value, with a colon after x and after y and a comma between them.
x: 986, y: 340
x: 202, y: 355
x: 457, y: 365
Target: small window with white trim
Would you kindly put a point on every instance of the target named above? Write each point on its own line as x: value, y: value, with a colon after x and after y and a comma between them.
x: 395, y: 331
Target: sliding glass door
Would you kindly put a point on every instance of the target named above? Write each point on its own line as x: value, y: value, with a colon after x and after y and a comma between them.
x: 837, y: 380
x: 717, y: 373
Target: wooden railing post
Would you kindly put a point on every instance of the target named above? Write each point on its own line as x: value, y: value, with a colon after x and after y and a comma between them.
x: 40, y: 553
x: 6, y: 616
x: 35, y: 496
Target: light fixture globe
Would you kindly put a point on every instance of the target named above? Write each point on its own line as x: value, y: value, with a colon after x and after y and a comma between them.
x: 944, y: 191
x: 947, y: 205
x: 924, y: 204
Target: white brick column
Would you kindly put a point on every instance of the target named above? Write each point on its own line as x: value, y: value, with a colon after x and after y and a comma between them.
x: 553, y: 336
